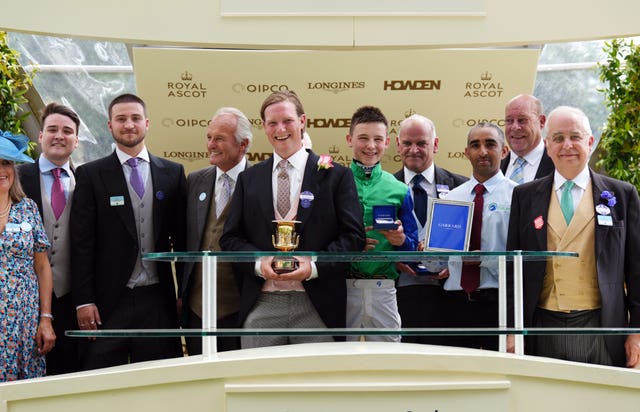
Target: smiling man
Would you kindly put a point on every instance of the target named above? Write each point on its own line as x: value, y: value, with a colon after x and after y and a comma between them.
x: 294, y: 184
x: 208, y: 192
x: 125, y: 205
x: 575, y: 209
x: 471, y: 291
x: 528, y: 159
x: 50, y: 182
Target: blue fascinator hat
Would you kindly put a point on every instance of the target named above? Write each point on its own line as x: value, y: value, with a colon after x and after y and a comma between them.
x: 12, y: 147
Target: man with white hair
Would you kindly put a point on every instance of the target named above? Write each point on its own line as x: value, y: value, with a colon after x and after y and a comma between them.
x: 575, y: 209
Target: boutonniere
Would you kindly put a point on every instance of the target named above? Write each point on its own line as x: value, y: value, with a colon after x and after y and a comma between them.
x: 325, y: 162
x: 608, y: 198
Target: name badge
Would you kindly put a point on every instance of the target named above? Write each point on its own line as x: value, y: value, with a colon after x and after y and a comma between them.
x: 116, y: 201
x: 12, y: 227
x: 25, y: 226
x: 605, y: 220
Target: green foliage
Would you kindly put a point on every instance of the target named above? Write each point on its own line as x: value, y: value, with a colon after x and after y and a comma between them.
x: 14, y: 83
x: 620, y: 142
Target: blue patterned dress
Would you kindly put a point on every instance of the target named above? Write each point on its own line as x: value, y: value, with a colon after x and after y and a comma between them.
x: 19, y: 299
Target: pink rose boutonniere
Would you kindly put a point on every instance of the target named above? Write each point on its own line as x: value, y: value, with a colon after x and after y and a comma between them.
x: 325, y: 162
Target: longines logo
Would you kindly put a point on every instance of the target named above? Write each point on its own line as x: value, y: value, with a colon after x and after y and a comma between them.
x: 324, y: 123
x: 258, y: 88
x: 486, y: 87
x: 186, y: 87
x: 412, y: 85
x: 186, y: 156
x: 335, y: 87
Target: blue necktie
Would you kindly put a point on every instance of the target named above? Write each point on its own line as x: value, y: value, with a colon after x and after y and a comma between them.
x: 420, y: 199
x: 518, y: 173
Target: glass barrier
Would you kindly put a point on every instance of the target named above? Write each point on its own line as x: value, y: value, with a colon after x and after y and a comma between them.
x: 209, y: 332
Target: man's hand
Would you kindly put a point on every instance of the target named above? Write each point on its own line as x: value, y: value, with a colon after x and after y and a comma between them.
x: 88, y: 318
x: 632, y: 347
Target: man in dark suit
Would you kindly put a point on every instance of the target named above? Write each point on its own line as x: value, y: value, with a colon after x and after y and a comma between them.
x: 58, y: 138
x: 208, y: 193
x: 294, y: 184
x: 528, y: 159
x: 420, y: 298
x: 576, y: 209
x: 124, y: 205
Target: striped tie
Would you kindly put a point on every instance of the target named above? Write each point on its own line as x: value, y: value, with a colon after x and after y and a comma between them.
x: 518, y: 173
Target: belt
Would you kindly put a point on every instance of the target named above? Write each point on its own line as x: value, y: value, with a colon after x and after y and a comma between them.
x: 480, y: 295
x: 358, y: 275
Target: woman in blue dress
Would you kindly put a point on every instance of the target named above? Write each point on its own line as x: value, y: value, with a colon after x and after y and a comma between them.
x: 26, y: 331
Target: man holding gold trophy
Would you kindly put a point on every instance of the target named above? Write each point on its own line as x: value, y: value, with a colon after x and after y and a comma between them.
x: 315, y: 207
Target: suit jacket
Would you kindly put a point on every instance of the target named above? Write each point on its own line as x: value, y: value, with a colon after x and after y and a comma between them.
x: 104, y: 243
x: 200, y: 181
x: 442, y: 177
x: 545, y: 167
x: 616, y: 249
x: 332, y: 222
x: 30, y: 181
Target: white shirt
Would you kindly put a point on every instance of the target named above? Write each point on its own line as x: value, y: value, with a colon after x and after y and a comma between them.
x: 143, y: 167
x: 429, y: 182
x: 233, y: 177
x: 530, y: 167
x: 297, y: 163
x: 581, y: 181
x: 495, y: 225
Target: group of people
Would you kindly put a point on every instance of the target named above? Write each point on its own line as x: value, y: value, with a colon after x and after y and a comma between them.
x: 73, y: 239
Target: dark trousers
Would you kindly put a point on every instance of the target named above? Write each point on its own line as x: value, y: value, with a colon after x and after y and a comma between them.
x: 578, y: 348
x: 138, y: 308
x: 421, y: 306
x: 478, y: 310
x: 224, y: 343
x: 64, y: 357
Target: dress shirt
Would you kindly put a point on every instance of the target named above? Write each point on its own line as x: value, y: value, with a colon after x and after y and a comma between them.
x: 46, y: 166
x: 530, y: 168
x: 581, y: 181
x: 297, y: 163
x: 143, y: 167
x: 429, y: 182
x: 233, y: 175
x: 495, y: 225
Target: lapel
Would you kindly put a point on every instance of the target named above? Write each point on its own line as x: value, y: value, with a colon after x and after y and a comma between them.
x: 599, y: 185
x: 116, y: 185
x: 310, y: 183
x: 205, y: 184
x: 540, y: 207
x: 30, y: 180
x: 263, y: 185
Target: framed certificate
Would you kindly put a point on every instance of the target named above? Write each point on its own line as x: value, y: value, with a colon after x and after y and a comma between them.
x: 448, y: 225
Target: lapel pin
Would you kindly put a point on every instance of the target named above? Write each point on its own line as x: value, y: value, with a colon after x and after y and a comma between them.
x: 538, y: 222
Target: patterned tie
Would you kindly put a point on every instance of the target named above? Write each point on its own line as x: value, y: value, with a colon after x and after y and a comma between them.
x: 471, y: 273
x: 284, y: 191
x: 225, y: 194
x: 518, y: 173
x: 420, y: 199
x: 135, y: 179
x: 58, y: 200
x: 566, y: 201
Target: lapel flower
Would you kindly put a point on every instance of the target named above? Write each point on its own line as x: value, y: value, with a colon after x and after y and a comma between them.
x: 325, y: 162
x: 608, y: 198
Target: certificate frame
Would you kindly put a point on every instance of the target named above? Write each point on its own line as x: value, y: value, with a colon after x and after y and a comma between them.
x: 448, y: 225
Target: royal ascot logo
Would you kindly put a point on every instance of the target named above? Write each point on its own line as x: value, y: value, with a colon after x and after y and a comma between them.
x: 186, y: 87
x: 395, y: 85
x: 325, y: 123
x: 335, y: 87
x: 258, y: 88
x: 486, y: 87
x: 333, y: 149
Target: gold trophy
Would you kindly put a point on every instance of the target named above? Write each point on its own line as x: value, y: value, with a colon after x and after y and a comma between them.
x: 285, y: 240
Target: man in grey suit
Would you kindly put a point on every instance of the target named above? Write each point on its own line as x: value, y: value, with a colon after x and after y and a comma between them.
x: 125, y: 205
x: 576, y: 209
x: 208, y: 193
x: 58, y: 138
x: 420, y: 295
x: 528, y: 159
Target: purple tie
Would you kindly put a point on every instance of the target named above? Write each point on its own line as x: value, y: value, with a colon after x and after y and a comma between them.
x: 135, y: 179
x: 57, y: 194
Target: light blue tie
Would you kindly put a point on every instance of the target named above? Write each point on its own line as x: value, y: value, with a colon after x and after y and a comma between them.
x: 518, y: 173
x: 566, y: 201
